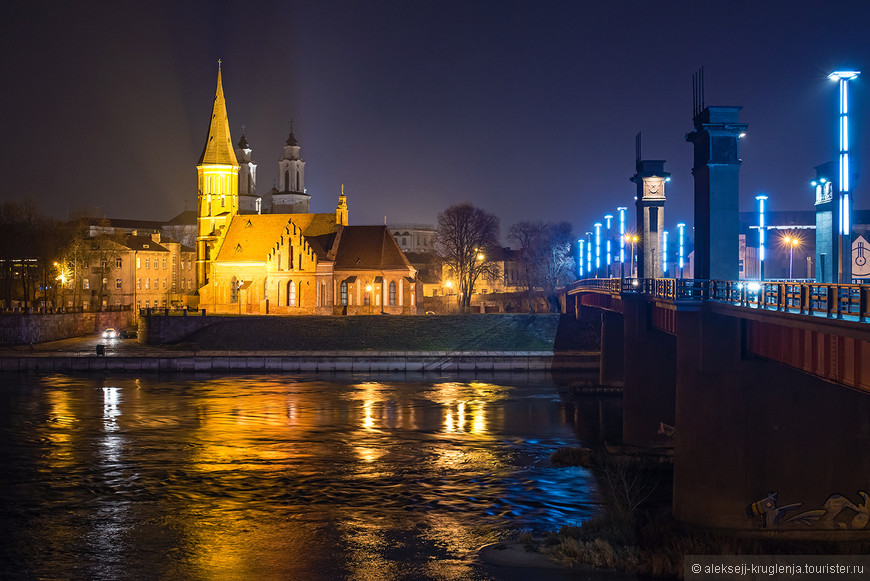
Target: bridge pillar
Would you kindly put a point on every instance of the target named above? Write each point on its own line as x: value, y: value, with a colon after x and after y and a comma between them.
x: 650, y: 178
x: 612, y: 363
x: 649, y: 377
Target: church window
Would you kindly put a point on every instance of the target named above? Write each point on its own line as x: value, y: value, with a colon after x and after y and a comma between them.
x: 234, y: 290
x: 291, y: 294
x: 297, y: 182
x: 286, y: 180
x: 344, y: 293
x: 300, y: 261
x: 290, y: 259
x: 404, y: 241
x: 392, y: 293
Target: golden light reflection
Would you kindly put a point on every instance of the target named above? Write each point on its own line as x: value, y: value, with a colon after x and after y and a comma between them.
x: 58, y: 428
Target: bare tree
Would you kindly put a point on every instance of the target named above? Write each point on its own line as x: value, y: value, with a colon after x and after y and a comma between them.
x: 464, y: 234
x: 526, y: 234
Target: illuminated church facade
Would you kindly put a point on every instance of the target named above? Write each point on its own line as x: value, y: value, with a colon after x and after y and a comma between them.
x: 289, y: 260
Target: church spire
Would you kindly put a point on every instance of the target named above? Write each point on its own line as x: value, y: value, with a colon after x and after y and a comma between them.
x: 218, y: 145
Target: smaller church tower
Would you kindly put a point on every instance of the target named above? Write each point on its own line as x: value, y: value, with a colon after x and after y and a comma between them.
x: 341, y: 211
x: 218, y: 181
x: 291, y: 198
x: 249, y: 201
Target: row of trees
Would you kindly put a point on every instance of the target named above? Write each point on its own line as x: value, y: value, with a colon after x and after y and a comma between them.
x: 465, y: 233
x: 39, y: 256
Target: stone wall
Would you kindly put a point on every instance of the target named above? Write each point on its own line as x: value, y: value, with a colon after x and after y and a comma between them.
x: 38, y: 328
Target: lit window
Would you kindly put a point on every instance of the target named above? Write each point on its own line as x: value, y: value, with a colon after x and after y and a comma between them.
x: 291, y: 294
x: 344, y: 293
x: 147, y: 283
x: 234, y: 290
x: 148, y: 263
x: 86, y: 284
x: 164, y: 264
x: 138, y: 262
x: 164, y: 283
x: 392, y: 293
x: 118, y: 283
x: 139, y: 283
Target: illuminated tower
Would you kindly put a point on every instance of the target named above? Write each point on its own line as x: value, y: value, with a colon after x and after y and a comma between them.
x: 291, y: 197
x: 650, y: 178
x: 218, y: 182
x: 716, y: 171
x: 249, y: 201
x: 341, y: 212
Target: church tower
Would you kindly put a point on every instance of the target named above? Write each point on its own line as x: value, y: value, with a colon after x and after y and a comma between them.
x: 249, y: 201
x: 290, y: 198
x: 218, y: 182
x: 341, y: 212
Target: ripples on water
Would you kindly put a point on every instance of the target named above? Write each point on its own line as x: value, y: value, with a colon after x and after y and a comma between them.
x: 278, y: 477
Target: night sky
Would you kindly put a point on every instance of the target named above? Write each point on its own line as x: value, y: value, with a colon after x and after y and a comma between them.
x: 526, y: 109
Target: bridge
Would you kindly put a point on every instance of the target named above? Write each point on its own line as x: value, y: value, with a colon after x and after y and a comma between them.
x: 765, y: 383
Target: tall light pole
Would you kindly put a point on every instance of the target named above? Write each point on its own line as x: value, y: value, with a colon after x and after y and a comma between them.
x: 607, y: 219
x: 761, y: 198
x: 621, y: 211
x: 791, y: 242
x: 844, y: 242
x: 597, y: 227
x: 682, y: 228
x: 589, y: 253
x: 580, y: 243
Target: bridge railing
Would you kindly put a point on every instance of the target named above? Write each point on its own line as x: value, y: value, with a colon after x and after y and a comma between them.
x: 805, y: 298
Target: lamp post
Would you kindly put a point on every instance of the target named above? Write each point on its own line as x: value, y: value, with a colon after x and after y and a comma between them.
x: 791, y: 242
x: 844, y: 243
x: 607, y: 220
x: 682, y: 235
x: 597, y: 227
x: 369, y: 297
x: 589, y: 254
x: 621, y: 211
x: 761, y: 198
x: 580, y: 243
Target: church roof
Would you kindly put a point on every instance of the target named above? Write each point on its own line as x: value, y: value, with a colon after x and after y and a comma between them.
x: 368, y: 247
x: 292, y: 139
x: 251, y: 236
x: 243, y: 142
x: 218, y: 145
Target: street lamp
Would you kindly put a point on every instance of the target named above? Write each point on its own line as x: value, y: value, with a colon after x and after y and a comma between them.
x: 607, y: 220
x: 621, y: 211
x: 844, y: 240
x: 761, y: 198
x: 682, y: 228
x: 633, y: 240
x: 369, y: 297
x: 597, y: 227
x: 792, y: 242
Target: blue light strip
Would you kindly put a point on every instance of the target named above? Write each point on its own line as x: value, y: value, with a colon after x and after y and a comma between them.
x: 621, y: 211
x: 580, y: 243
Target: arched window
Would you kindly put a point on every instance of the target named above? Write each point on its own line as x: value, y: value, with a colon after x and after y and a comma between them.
x: 291, y: 294
x: 392, y: 293
x: 344, y: 293
x: 297, y: 182
x: 234, y: 290
x: 286, y: 180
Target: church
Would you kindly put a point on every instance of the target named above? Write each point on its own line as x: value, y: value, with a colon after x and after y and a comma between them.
x: 288, y: 260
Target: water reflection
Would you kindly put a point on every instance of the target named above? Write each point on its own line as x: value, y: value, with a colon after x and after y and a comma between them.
x: 237, y: 477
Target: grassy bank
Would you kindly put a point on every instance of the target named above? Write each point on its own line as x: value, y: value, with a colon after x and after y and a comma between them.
x: 397, y: 333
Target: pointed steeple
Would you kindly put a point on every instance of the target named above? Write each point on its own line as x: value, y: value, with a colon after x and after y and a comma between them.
x: 218, y: 145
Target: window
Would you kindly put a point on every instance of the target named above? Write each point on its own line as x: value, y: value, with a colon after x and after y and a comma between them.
x: 291, y: 294
x: 118, y: 263
x: 344, y: 293
x: 286, y: 180
x: 234, y: 290
x: 290, y: 259
x: 118, y: 283
x: 182, y: 284
x: 139, y: 283
x: 182, y: 265
x: 147, y: 283
x: 147, y: 303
x: 86, y: 284
x: 104, y: 263
x: 392, y: 293
x: 138, y: 262
x: 105, y: 281
x: 164, y: 264
x: 164, y: 283
x: 156, y: 283
x: 223, y: 201
x: 297, y: 182
x: 148, y: 263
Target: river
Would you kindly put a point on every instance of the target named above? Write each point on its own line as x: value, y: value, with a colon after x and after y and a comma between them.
x: 284, y: 477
